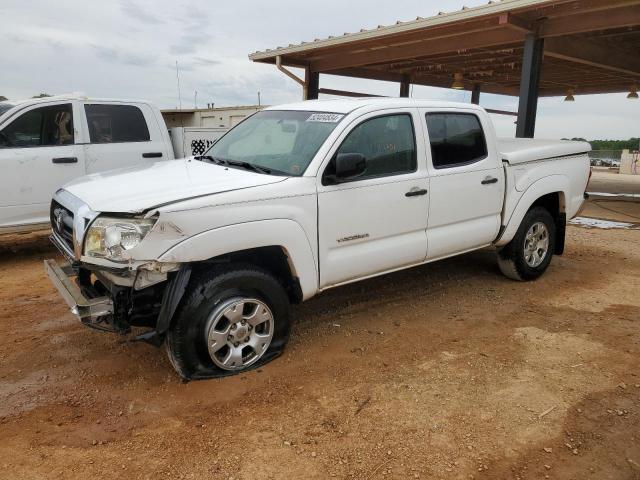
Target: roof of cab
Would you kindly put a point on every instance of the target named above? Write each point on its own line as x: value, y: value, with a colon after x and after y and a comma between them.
x: 73, y: 96
x: 349, y: 105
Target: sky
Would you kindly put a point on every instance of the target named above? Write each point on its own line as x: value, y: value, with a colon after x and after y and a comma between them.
x: 129, y: 49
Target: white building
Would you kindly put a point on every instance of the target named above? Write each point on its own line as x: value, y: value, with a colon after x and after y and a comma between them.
x: 224, y: 117
x: 630, y: 163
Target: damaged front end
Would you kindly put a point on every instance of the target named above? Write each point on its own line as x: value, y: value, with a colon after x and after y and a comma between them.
x: 116, y: 301
x: 102, y: 285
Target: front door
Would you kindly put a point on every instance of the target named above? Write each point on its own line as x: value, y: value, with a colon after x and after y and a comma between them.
x: 377, y: 221
x: 467, y: 183
x: 38, y: 155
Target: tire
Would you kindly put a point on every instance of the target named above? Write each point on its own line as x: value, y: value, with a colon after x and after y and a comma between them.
x: 516, y: 260
x: 214, y: 322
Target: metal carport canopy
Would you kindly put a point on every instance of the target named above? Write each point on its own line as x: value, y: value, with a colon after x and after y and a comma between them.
x: 525, y: 48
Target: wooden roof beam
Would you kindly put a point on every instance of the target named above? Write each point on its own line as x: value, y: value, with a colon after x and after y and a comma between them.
x: 483, y: 39
x: 592, y: 53
x: 619, y: 17
x: 510, y: 20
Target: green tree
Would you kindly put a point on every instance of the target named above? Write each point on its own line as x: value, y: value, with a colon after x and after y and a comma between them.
x: 631, y: 144
x: 42, y: 95
x: 3, y: 98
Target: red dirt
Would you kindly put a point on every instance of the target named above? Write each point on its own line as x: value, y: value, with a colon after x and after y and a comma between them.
x: 444, y: 371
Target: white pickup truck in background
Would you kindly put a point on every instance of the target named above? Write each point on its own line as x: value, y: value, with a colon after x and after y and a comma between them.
x: 295, y: 200
x: 45, y: 143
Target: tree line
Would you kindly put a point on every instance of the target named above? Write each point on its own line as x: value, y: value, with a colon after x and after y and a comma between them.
x: 631, y: 144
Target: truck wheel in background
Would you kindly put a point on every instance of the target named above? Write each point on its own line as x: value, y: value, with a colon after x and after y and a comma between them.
x: 232, y: 318
x: 529, y: 254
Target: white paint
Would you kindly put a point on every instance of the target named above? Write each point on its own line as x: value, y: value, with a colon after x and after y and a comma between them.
x: 614, y: 195
x: 29, y: 178
x: 604, y: 224
x: 523, y: 150
x: 141, y: 187
x: 463, y: 213
x: 334, y: 234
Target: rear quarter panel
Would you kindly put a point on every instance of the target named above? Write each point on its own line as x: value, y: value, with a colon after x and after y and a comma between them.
x: 528, y: 182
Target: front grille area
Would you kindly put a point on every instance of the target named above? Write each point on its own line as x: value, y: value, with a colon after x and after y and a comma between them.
x: 62, y: 224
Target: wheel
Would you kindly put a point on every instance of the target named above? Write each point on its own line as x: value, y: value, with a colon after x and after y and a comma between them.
x: 529, y: 253
x: 230, y: 320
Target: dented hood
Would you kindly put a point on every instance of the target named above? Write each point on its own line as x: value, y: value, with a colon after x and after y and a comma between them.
x: 136, y: 189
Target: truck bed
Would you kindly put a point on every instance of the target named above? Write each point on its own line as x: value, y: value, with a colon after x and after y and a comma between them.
x: 522, y: 150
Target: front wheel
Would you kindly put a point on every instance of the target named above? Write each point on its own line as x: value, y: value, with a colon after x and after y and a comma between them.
x: 231, y: 319
x: 529, y: 254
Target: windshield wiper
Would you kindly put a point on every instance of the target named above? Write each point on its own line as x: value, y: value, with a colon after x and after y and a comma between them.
x: 249, y: 166
x: 235, y: 163
x: 216, y: 160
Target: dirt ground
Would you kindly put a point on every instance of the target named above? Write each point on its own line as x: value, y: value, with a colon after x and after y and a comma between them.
x: 610, y: 181
x: 623, y: 208
x: 446, y: 371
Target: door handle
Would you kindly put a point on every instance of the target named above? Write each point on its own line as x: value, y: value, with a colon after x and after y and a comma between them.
x: 152, y: 155
x: 416, y: 193
x: 65, y: 160
x: 489, y: 181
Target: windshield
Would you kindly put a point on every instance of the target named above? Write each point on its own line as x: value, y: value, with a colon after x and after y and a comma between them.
x: 282, y: 142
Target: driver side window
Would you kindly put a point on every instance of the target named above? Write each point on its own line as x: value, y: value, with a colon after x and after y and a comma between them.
x: 387, y: 143
x: 41, y: 127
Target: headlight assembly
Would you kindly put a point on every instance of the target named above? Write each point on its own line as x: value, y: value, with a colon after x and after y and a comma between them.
x: 110, y: 238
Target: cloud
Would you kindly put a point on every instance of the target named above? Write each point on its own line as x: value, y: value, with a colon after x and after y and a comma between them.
x: 128, y: 49
x: 123, y: 57
x: 133, y: 11
x: 206, y: 61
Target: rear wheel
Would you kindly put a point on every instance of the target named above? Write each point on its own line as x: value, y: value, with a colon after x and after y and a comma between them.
x: 529, y: 254
x: 231, y: 319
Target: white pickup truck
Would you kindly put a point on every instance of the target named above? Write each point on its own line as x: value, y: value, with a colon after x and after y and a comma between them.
x: 209, y: 253
x: 45, y: 143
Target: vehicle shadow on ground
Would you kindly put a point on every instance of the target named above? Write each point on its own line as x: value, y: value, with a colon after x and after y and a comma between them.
x: 426, y: 281
x: 25, y: 244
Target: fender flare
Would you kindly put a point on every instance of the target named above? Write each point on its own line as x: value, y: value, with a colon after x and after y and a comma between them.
x: 284, y: 233
x: 538, y: 189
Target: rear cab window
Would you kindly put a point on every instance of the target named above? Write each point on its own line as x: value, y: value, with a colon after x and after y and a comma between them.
x: 116, y: 123
x: 456, y: 139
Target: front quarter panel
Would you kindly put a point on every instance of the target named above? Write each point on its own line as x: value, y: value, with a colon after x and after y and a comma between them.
x: 281, y: 232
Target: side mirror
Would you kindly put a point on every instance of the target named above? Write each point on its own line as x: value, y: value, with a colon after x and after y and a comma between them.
x: 349, y: 165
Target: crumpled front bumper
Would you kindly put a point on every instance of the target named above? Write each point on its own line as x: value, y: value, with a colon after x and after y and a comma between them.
x: 87, y: 309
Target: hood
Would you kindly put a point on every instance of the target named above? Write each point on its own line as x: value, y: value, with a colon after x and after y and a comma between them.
x: 136, y: 189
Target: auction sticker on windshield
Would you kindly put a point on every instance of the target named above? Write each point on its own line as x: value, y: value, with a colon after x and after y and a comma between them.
x: 325, y: 117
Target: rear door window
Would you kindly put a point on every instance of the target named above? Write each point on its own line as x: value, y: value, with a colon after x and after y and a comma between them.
x: 456, y: 139
x: 116, y: 123
x: 40, y: 127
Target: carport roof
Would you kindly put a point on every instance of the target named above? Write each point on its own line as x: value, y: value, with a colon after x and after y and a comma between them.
x: 591, y: 46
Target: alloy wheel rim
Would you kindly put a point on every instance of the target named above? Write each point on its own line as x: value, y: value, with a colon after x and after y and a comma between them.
x: 238, y: 332
x: 536, y: 244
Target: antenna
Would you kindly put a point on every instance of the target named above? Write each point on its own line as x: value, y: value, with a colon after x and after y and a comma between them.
x: 178, y: 80
x: 258, y: 98
x: 195, y: 100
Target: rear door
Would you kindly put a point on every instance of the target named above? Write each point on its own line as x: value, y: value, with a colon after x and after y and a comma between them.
x: 38, y: 154
x: 467, y: 182
x: 122, y: 135
x: 376, y: 222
